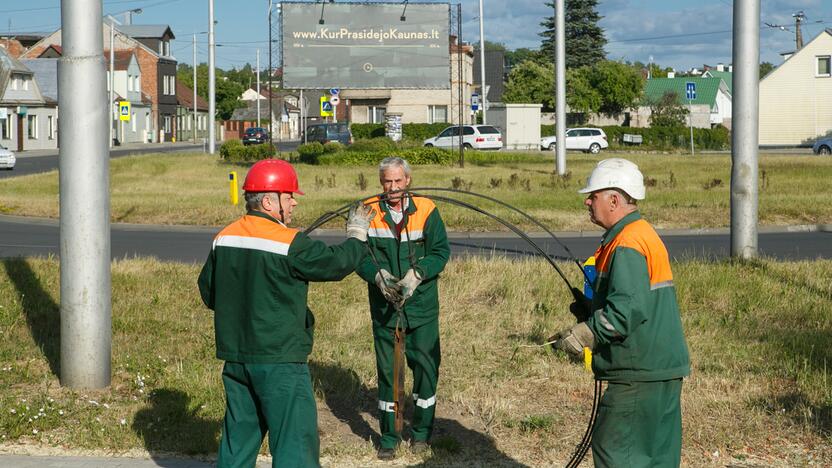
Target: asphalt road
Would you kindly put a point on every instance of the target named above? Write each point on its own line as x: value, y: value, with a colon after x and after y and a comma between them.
x: 26, y: 237
x: 36, y: 164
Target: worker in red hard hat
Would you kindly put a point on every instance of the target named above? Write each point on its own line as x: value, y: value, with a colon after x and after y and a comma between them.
x: 256, y: 281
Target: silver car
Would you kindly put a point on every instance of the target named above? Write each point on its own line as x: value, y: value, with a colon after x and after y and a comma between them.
x: 7, y: 159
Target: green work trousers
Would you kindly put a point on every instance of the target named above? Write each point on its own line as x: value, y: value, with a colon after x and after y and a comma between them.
x: 423, y: 356
x: 639, y: 425
x: 273, y: 398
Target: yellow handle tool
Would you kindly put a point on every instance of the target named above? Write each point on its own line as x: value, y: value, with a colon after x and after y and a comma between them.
x: 588, y: 359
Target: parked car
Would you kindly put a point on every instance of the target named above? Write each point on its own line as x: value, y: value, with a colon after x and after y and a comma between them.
x: 823, y: 146
x: 481, y: 137
x: 590, y: 140
x: 255, y: 136
x: 7, y: 159
x: 326, y: 132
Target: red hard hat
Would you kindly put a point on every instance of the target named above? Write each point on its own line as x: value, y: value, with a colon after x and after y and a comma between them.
x: 272, y: 175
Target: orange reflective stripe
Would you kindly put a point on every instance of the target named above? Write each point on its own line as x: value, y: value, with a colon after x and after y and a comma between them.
x: 261, y: 228
x: 639, y: 236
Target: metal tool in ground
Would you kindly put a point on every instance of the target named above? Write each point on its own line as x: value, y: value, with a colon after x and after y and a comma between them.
x: 583, y: 446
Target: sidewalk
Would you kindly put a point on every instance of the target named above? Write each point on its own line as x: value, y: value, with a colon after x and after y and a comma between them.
x: 24, y: 461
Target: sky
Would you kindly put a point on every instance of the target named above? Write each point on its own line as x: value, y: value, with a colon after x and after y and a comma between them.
x: 676, y: 33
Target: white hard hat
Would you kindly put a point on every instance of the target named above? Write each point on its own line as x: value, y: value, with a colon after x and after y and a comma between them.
x: 616, y: 173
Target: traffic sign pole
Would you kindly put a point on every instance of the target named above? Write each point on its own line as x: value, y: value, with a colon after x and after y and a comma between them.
x: 690, y: 91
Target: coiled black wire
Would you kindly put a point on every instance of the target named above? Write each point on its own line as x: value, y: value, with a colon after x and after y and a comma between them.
x: 586, y: 441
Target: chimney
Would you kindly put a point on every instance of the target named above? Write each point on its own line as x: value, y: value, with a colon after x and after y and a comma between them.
x: 720, y: 67
x: 671, y: 74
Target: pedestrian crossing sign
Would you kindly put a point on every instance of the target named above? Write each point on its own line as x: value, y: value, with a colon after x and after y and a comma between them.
x: 326, y: 107
x: 124, y: 111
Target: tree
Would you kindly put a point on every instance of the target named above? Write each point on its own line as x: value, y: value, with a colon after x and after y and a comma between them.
x: 518, y: 56
x: 667, y: 111
x: 531, y: 82
x: 619, y: 85
x: 580, y: 95
x: 765, y: 69
x: 227, y: 91
x: 585, y: 40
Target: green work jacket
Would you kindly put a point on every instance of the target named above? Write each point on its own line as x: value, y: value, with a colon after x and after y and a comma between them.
x: 256, y: 281
x: 635, y: 319
x: 421, y: 244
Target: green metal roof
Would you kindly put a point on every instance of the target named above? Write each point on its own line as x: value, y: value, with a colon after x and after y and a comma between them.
x: 727, y: 77
x: 706, y: 89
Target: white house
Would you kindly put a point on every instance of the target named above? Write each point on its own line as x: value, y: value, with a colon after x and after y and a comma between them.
x: 796, y: 97
x: 28, y: 119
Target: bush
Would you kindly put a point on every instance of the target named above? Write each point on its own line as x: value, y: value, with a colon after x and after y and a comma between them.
x: 717, y: 138
x: 375, y: 144
x: 411, y: 131
x: 234, y: 151
x: 332, y: 147
x: 415, y: 156
x: 309, y: 152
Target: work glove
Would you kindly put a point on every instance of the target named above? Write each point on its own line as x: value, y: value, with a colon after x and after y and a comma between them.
x: 574, y: 340
x: 407, y: 285
x: 358, y: 221
x: 582, y: 307
x: 388, y: 284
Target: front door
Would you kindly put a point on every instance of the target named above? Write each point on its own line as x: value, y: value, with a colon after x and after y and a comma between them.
x: 19, y: 132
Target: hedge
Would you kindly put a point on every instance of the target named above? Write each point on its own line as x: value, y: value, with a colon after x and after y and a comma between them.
x: 414, y: 131
x: 235, y: 151
x: 717, y: 138
x: 415, y: 156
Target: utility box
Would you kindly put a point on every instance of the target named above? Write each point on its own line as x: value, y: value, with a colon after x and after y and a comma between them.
x: 519, y: 123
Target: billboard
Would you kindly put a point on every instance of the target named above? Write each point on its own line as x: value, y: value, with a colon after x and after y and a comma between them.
x: 365, y: 45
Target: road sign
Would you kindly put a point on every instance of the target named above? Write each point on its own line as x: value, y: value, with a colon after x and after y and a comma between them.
x: 326, y: 107
x: 475, y: 102
x: 690, y: 90
x: 124, y: 110
x: 334, y: 100
x: 334, y: 91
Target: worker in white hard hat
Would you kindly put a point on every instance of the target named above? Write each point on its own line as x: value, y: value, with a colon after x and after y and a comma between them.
x: 633, y: 326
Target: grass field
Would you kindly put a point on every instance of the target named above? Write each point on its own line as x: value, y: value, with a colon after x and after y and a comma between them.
x: 682, y: 191
x: 759, y: 394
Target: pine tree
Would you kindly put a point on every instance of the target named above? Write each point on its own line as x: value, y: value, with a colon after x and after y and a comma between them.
x: 585, y: 40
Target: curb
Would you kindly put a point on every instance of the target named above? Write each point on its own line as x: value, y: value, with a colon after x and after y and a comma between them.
x: 788, y: 229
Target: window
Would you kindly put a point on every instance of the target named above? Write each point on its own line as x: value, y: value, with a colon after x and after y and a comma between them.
x: 467, y: 130
x: 488, y: 130
x: 376, y: 114
x: 173, y: 84
x: 451, y: 131
x: 32, y: 121
x: 6, y: 128
x: 25, y: 84
x: 15, y: 81
x: 133, y: 121
x: 164, y: 48
x: 824, y: 66
x: 165, y: 85
x: 437, y: 114
x: 50, y: 123
x: 130, y: 83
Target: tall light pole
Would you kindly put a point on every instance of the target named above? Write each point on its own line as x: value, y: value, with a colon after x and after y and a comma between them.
x: 83, y: 172
x: 745, y: 133
x: 194, y: 118
x: 258, y: 88
x: 212, y: 103
x: 483, y: 90
x: 560, y: 87
x: 110, y: 80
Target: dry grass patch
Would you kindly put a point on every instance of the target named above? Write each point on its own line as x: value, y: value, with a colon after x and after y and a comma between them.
x: 683, y: 191
x: 758, y: 335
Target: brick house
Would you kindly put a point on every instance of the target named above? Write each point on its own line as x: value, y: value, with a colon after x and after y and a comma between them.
x: 152, y: 48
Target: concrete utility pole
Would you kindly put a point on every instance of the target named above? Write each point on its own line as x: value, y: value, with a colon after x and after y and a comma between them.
x: 83, y: 169
x: 258, y: 87
x: 212, y: 98
x: 194, y: 119
x: 799, y: 17
x: 745, y: 135
x: 110, y: 80
x: 483, y: 91
x: 560, y: 86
